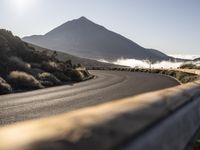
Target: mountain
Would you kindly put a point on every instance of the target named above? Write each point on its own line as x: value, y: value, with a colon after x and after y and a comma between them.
x: 61, y: 56
x: 84, y: 38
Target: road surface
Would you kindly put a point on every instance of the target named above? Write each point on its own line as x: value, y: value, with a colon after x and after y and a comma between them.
x: 107, y: 86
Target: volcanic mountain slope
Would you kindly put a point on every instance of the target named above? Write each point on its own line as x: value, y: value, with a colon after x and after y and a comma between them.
x: 23, y: 68
x: 83, y: 38
x: 88, y: 63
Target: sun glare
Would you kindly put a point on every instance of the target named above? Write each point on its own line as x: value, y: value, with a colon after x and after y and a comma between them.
x: 22, y: 5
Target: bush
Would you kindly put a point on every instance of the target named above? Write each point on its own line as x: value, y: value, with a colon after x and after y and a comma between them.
x: 52, y: 66
x: 75, y: 75
x: 155, y: 71
x: 25, y: 81
x: 15, y: 63
x: 47, y: 83
x: 181, y: 75
x: 61, y: 76
x: 48, y: 77
x: 187, y: 79
x: 35, y: 71
x: 85, y: 73
x: 188, y: 66
x: 5, y: 88
x: 171, y: 73
x: 35, y: 65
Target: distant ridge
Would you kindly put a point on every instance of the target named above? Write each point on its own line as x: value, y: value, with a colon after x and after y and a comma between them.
x: 197, y: 59
x: 84, y: 38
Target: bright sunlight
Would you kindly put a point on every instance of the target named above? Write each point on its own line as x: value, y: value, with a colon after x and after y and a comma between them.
x: 21, y: 5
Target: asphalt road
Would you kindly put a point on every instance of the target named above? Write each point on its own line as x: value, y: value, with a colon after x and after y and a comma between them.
x: 107, y: 86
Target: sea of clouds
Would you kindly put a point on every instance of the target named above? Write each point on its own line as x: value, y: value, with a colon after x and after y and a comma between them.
x: 163, y: 64
x: 192, y: 57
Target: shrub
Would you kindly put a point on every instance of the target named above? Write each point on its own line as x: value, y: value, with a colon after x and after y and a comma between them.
x: 187, y: 79
x: 35, y: 72
x: 52, y: 66
x: 61, y: 76
x: 155, y: 71
x: 47, y: 83
x: 181, y: 75
x: 85, y: 73
x: 45, y: 76
x: 171, y: 73
x: 35, y: 65
x: 188, y: 66
x: 75, y: 75
x: 22, y: 80
x: 5, y: 88
x: 49, y: 66
x: 15, y: 63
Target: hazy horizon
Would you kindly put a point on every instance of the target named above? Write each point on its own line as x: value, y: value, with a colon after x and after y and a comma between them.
x: 169, y: 26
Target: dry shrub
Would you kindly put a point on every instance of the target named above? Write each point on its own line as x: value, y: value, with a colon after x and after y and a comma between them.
x: 188, y: 66
x: 5, y: 88
x: 48, y: 77
x: 47, y: 83
x: 35, y: 65
x: 85, y: 73
x: 23, y: 80
x: 61, y: 76
x: 36, y: 71
x: 15, y: 63
x: 52, y: 66
x: 75, y: 75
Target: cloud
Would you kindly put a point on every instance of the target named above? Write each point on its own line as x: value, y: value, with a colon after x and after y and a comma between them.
x: 192, y: 57
x: 146, y: 64
x: 163, y: 64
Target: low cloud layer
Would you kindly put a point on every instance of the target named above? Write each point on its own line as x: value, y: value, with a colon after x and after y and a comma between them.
x: 192, y: 57
x: 145, y: 64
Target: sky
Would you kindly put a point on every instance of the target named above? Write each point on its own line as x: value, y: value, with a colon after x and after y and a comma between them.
x: 171, y: 26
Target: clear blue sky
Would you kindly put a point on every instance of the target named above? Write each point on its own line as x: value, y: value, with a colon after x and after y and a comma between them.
x: 172, y: 26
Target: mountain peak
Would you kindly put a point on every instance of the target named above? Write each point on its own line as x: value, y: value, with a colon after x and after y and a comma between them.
x: 85, y: 38
x: 82, y: 18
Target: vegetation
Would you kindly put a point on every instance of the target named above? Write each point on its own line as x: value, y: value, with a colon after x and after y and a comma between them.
x: 62, y: 76
x: 22, y: 80
x: 189, y: 66
x: 76, y: 75
x: 23, y: 68
x: 4, y: 87
x: 68, y: 59
x: 48, y: 77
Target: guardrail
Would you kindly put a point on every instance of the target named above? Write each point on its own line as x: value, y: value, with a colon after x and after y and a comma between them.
x: 161, y: 120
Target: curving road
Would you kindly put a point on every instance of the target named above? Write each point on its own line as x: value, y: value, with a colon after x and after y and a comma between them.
x: 107, y: 86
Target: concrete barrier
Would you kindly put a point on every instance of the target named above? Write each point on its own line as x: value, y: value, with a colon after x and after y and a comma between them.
x: 161, y: 120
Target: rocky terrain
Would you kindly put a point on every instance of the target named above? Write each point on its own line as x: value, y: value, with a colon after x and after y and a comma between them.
x: 88, y: 63
x: 24, y: 68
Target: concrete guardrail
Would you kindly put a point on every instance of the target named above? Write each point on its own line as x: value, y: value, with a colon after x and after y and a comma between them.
x: 160, y: 120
